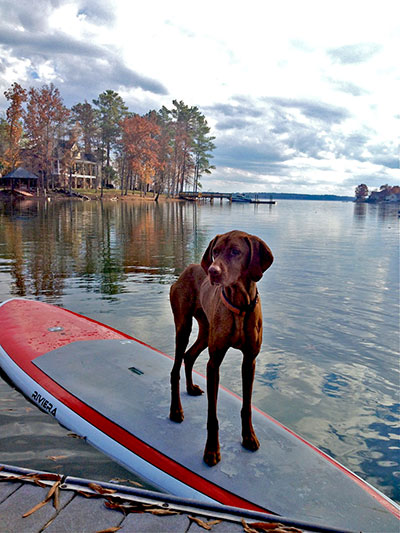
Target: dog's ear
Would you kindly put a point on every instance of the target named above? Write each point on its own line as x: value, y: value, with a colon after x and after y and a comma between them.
x: 260, y: 258
x: 207, y: 257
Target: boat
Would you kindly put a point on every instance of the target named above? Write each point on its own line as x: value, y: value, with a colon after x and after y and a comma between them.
x: 113, y: 390
x: 241, y: 198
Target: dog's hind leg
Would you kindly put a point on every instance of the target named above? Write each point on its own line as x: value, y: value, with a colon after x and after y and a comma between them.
x: 183, y: 330
x: 194, y: 351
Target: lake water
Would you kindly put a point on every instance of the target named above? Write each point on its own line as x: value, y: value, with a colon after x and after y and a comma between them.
x: 328, y: 367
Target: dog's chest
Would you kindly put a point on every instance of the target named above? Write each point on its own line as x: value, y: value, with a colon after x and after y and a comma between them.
x: 247, y: 332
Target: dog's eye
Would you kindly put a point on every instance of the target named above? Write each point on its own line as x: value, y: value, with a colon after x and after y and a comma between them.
x: 215, y: 254
x: 234, y: 252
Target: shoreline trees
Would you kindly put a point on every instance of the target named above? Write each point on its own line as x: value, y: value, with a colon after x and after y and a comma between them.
x: 165, y: 151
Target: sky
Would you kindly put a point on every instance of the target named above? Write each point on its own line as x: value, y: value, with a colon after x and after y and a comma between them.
x: 302, y: 97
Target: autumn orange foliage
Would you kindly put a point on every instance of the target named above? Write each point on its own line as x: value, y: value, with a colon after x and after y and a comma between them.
x: 141, y: 146
x: 16, y: 95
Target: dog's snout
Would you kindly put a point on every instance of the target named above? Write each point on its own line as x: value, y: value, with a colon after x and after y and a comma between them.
x: 215, y: 273
x: 214, y: 270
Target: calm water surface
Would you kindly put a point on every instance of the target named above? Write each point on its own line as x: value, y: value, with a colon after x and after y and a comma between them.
x: 328, y: 367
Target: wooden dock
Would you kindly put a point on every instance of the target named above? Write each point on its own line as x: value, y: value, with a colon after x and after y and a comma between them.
x: 34, y: 502
x: 231, y: 197
x: 194, y: 196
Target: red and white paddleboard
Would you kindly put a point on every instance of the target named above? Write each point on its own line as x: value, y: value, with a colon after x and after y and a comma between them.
x: 114, y: 390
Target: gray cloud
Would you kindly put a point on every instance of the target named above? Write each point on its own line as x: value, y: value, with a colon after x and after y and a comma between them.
x: 87, y: 68
x: 385, y: 155
x: 233, y: 123
x: 313, y: 110
x: 98, y: 11
x: 46, y: 45
x: 349, y: 88
x: 353, y: 53
x: 32, y: 16
x: 264, y: 156
x: 265, y: 137
x: 246, y: 108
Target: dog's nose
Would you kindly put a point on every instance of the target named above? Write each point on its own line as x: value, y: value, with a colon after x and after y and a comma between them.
x: 214, y: 271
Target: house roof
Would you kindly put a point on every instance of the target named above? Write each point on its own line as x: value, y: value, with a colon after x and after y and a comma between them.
x: 20, y: 173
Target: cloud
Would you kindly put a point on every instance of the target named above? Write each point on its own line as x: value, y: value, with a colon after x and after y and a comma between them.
x: 71, y: 56
x: 265, y: 156
x: 286, y: 144
x: 385, y: 155
x: 245, y: 108
x: 33, y: 17
x: 82, y: 66
x: 232, y: 123
x: 312, y: 109
x: 98, y: 12
x: 349, y: 88
x: 353, y: 53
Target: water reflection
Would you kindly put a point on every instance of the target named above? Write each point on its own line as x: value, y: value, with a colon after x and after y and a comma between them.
x: 97, y: 243
x: 328, y: 367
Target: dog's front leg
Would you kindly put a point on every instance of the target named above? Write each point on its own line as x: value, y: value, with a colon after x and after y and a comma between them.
x: 176, y: 411
x: 249, y: 438
x: 212, y: 454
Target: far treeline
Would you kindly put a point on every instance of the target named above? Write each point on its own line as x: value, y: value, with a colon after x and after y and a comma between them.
x: 163, y: 150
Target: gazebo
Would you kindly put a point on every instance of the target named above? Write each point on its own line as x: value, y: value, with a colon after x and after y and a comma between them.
x: 18, y: 177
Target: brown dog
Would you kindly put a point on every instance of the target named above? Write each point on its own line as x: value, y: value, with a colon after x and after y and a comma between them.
x: 221, y: 294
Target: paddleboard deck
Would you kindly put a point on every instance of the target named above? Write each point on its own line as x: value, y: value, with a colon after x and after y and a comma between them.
x: 114, y: 390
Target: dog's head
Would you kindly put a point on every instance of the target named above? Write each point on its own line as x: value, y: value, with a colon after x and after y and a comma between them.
x: 234, y: 255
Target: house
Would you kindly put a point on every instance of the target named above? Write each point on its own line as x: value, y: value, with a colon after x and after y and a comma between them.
x: 393, y: 197
x: 71, y: 163
x: 386, y: 194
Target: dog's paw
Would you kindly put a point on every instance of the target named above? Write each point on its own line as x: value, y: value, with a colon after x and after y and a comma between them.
x: 211, y: 458
x: 195, y: 390
x: 251, y: 443
x: 176, y: 415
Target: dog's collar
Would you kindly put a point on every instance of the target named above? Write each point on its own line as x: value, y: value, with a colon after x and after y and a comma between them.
x: 240, y: 311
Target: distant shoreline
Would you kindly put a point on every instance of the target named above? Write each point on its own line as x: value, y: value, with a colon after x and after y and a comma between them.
x: 115, y: 194
x: 298, y: 196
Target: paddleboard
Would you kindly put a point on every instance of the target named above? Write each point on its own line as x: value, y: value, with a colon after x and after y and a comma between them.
x: 114, y: 390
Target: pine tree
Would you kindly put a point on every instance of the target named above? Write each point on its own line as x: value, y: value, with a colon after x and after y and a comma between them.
x: 111, y: 111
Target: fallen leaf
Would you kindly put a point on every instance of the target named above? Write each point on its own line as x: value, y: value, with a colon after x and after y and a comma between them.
x: 161, y: 512
x: 101, y: 490
x: 52, y: 492
x: 275, y: 527
x: 56, y: 457
x: 247, y: 528
x: 56, y: 500
x: 265, y: 526
x: 203, y: 524
x: 109, y: 530
x: 34, y: 509
x: 87, y: 494
x: 75, y: 436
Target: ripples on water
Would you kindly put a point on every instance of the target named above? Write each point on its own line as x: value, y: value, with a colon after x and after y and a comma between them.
x: 329, y: 362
